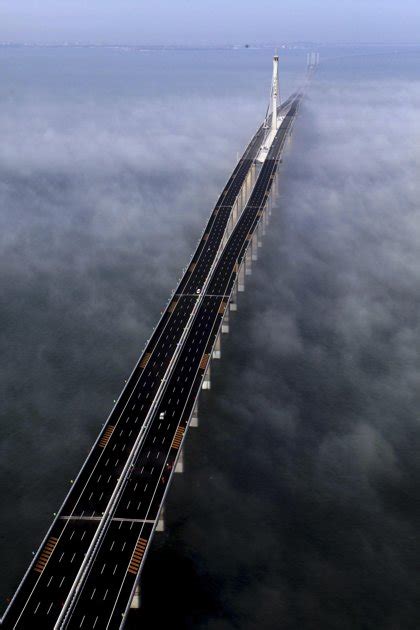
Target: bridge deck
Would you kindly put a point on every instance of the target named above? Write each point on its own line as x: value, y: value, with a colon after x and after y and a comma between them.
x: 180, y: 359
x: 146, y: 487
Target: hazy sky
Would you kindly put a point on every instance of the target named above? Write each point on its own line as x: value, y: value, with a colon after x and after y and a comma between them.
x: 209, y: 21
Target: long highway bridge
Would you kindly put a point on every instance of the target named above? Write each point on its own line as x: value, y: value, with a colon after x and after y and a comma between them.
x: 87, y: 569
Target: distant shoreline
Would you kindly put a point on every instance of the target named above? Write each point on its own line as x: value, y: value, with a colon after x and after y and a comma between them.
x: 173, y: 47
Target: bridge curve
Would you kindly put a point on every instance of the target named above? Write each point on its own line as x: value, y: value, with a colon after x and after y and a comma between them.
x: 87, y: 567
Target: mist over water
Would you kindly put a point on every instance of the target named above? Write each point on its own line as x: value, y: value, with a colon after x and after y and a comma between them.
x: 299, y: 504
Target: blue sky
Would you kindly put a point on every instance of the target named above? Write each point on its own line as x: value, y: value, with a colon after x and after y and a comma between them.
x: 209, y: 21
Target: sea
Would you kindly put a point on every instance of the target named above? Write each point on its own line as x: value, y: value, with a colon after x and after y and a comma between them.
x: 298, y: 507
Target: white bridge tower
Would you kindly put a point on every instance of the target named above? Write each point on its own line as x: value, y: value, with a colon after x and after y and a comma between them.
x: 273, y: 111
x: 274, y: 92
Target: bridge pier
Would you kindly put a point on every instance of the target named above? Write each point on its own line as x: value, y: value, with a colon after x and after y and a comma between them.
x: 207, y: 382
x: 233, y: 304
x: 247, y: 188
x: 179, y: 468
x: 225, y: 322
x: 241, y: 278
x: 160, y: 527
x: 248, y: 261
x: 235, y: 212
x: 243, y: 195
x: 229, y: 227
x: 267, y: 216
x: 224, y: 239
x: 254, y: 246
x: 136, y: 601
x: 194, y: 416
x: 259, y: 234
x: 217, y: 350
x: 253, y: 172
x: 276, y: 188
x: 263, y: 223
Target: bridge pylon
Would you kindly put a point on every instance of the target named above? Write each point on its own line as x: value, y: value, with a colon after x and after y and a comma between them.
x: 275, y: 99
x: 272, y: 120
x: 312, y: 60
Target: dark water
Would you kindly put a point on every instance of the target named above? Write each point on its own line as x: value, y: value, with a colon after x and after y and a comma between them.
x: 299, y: 505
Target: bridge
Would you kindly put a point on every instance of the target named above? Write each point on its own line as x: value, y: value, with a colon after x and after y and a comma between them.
x: 87, y: 569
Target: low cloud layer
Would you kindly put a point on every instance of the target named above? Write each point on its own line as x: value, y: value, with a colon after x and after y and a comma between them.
x: 299, y: 506
x: 102, y: 203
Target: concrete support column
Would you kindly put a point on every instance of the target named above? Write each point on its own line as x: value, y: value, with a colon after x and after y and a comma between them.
x: 259, y: 233
x: 248, y: 188
x: 274, y: 191
x: 194, y: 416
x: 207, y: 382
x: 235, y: 212
x: 225, y: 322
x: 224, y: 238
x: 179, y: 468
x: 253, y: 175
x: 254, y: 246
x: 233, y: 304
x: 243, y: 194
x: 249, y: 184
x: 160, y: 527
x: 135, y: 602
x: 241, y: 278
x: 267, y: 215
x: 217, y: 350
x: 248, y: 261
x: 264, y: 222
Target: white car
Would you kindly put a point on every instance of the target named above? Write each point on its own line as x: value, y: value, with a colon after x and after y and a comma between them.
x: 162, y: 415
x: 198, y: 291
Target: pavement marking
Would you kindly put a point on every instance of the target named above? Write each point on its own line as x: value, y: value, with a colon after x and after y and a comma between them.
x: 106, y: 436
x: 172, y: 305
x: 179, y: 434
x: 145, y: 360
x: 221, y: 310
x: 137, y: 556
x: 81, y: 518
x: 204, y: 361
x: 45, y: 554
